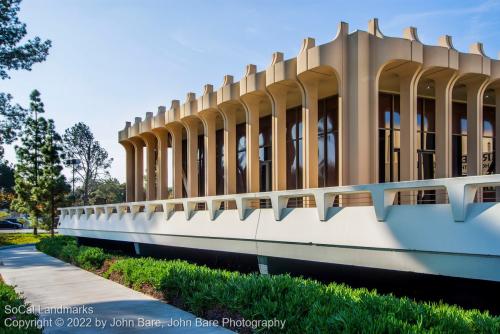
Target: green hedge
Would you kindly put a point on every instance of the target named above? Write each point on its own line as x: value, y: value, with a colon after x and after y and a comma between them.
x: 10, y: 300
x: 66, y: 249
x: 307, y: 305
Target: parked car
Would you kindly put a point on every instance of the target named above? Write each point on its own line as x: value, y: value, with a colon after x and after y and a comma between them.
x: 14, y: 220
x: 10, y: 224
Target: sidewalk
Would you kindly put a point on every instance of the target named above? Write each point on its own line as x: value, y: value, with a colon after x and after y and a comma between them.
x: 47, y: 282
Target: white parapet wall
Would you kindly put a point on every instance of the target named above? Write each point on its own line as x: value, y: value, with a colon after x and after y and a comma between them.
x: 460, y: 238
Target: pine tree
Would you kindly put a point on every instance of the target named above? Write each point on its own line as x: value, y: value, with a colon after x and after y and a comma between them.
x: 52, y: 185
x: 28, y: 162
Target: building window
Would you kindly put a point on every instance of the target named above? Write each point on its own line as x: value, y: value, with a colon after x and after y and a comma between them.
x: 389, y: 137
x: 489, y: 149
x: 219, y: 162
x: 426, y: 138
x: 459, y: 139
x: 265, y: 153
x: 241, y: 158
x: 294, y: 159
x: 184, y: 168
x: 328, y: 142
x: 488, y: 140
x: 201, y: 165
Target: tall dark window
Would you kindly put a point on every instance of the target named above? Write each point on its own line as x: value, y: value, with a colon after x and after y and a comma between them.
x: 219, y: 162
x: 184, y: 168
x: 459, y: 139
x: 426, y: 138
x: 328, y: 142
x: 294, y: 159
x: 489, y: 140
x: 241, y: 158
x: 389, y: 137
x: 426, y: 146
x: 201, y: 165
x: 265, y: 153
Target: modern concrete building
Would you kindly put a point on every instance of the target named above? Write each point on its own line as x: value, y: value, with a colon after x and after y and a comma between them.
x: 368, y: 150
x: 363, y: 108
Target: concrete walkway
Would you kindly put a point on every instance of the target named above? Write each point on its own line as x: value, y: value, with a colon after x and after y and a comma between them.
x: 97, y: 304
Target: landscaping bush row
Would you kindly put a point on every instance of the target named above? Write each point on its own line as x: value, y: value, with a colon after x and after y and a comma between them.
x: 307, y: 305
x: 13, y: 318
x: 67, y: 249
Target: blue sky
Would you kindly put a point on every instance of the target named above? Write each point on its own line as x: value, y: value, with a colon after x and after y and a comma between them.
x: 113, y: 60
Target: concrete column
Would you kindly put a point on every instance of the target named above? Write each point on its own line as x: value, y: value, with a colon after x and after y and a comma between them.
x: 252, y: 137
x: 151, y: 142
x: 162, y: 164
x: 279, y: 139
x: 209, y: 127
x: 228, y: 115
x: 129, y: 171
x: 176, y: 133
x: 361, y: 93
x: 444, y: 108
x: 408, y: 112
x: 310, y: 135
x: 263, y: 265
x: 475, y: 93
x: 192, y: 157
x: 139, y: 170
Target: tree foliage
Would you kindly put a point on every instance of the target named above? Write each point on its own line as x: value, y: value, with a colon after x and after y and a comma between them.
x: 15, y: 54
x: 39, y: 185
x: 79, y: 143
x: 6, y: 184
x: 108, y: 191
x: 52, y: 186
x: 6, y: 176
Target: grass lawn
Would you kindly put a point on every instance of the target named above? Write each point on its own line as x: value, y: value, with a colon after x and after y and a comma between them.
x: 7, y: 239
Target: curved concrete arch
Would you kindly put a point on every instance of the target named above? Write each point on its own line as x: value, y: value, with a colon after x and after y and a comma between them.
x: 129, y: 170
x: 255, y: 98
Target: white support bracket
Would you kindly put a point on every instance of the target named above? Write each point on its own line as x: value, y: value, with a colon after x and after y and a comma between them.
x: 460, y: 195
x: 109, y: 212
x: 189, y: 207
x: 382, y: 200
x: 278, y: 202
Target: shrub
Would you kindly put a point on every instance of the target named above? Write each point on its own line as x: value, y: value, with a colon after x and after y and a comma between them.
x: 90, y: 257
x: 66, y: 249
x: 307, y: 306
x: 53, y: 246
x: 9, y: 297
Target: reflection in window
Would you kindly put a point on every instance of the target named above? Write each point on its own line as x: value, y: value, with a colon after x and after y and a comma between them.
x: 219, y: 162
x: 426, y: 146
x: 265, y: 153
x: 184, y: 168
x: 241, y: 158
x: 488, y: 140
x: 426, y: 138
x: 488, y: 163
x: 459, y: 139
x: 294, y: 148
x: 200, y: 156
x: 389, y: 137
x: 328, y: 142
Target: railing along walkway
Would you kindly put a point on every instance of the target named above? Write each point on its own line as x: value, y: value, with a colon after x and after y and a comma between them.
x: 461, y: 192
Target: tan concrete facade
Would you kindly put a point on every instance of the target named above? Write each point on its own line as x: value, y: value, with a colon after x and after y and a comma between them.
x: 218, y: 144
